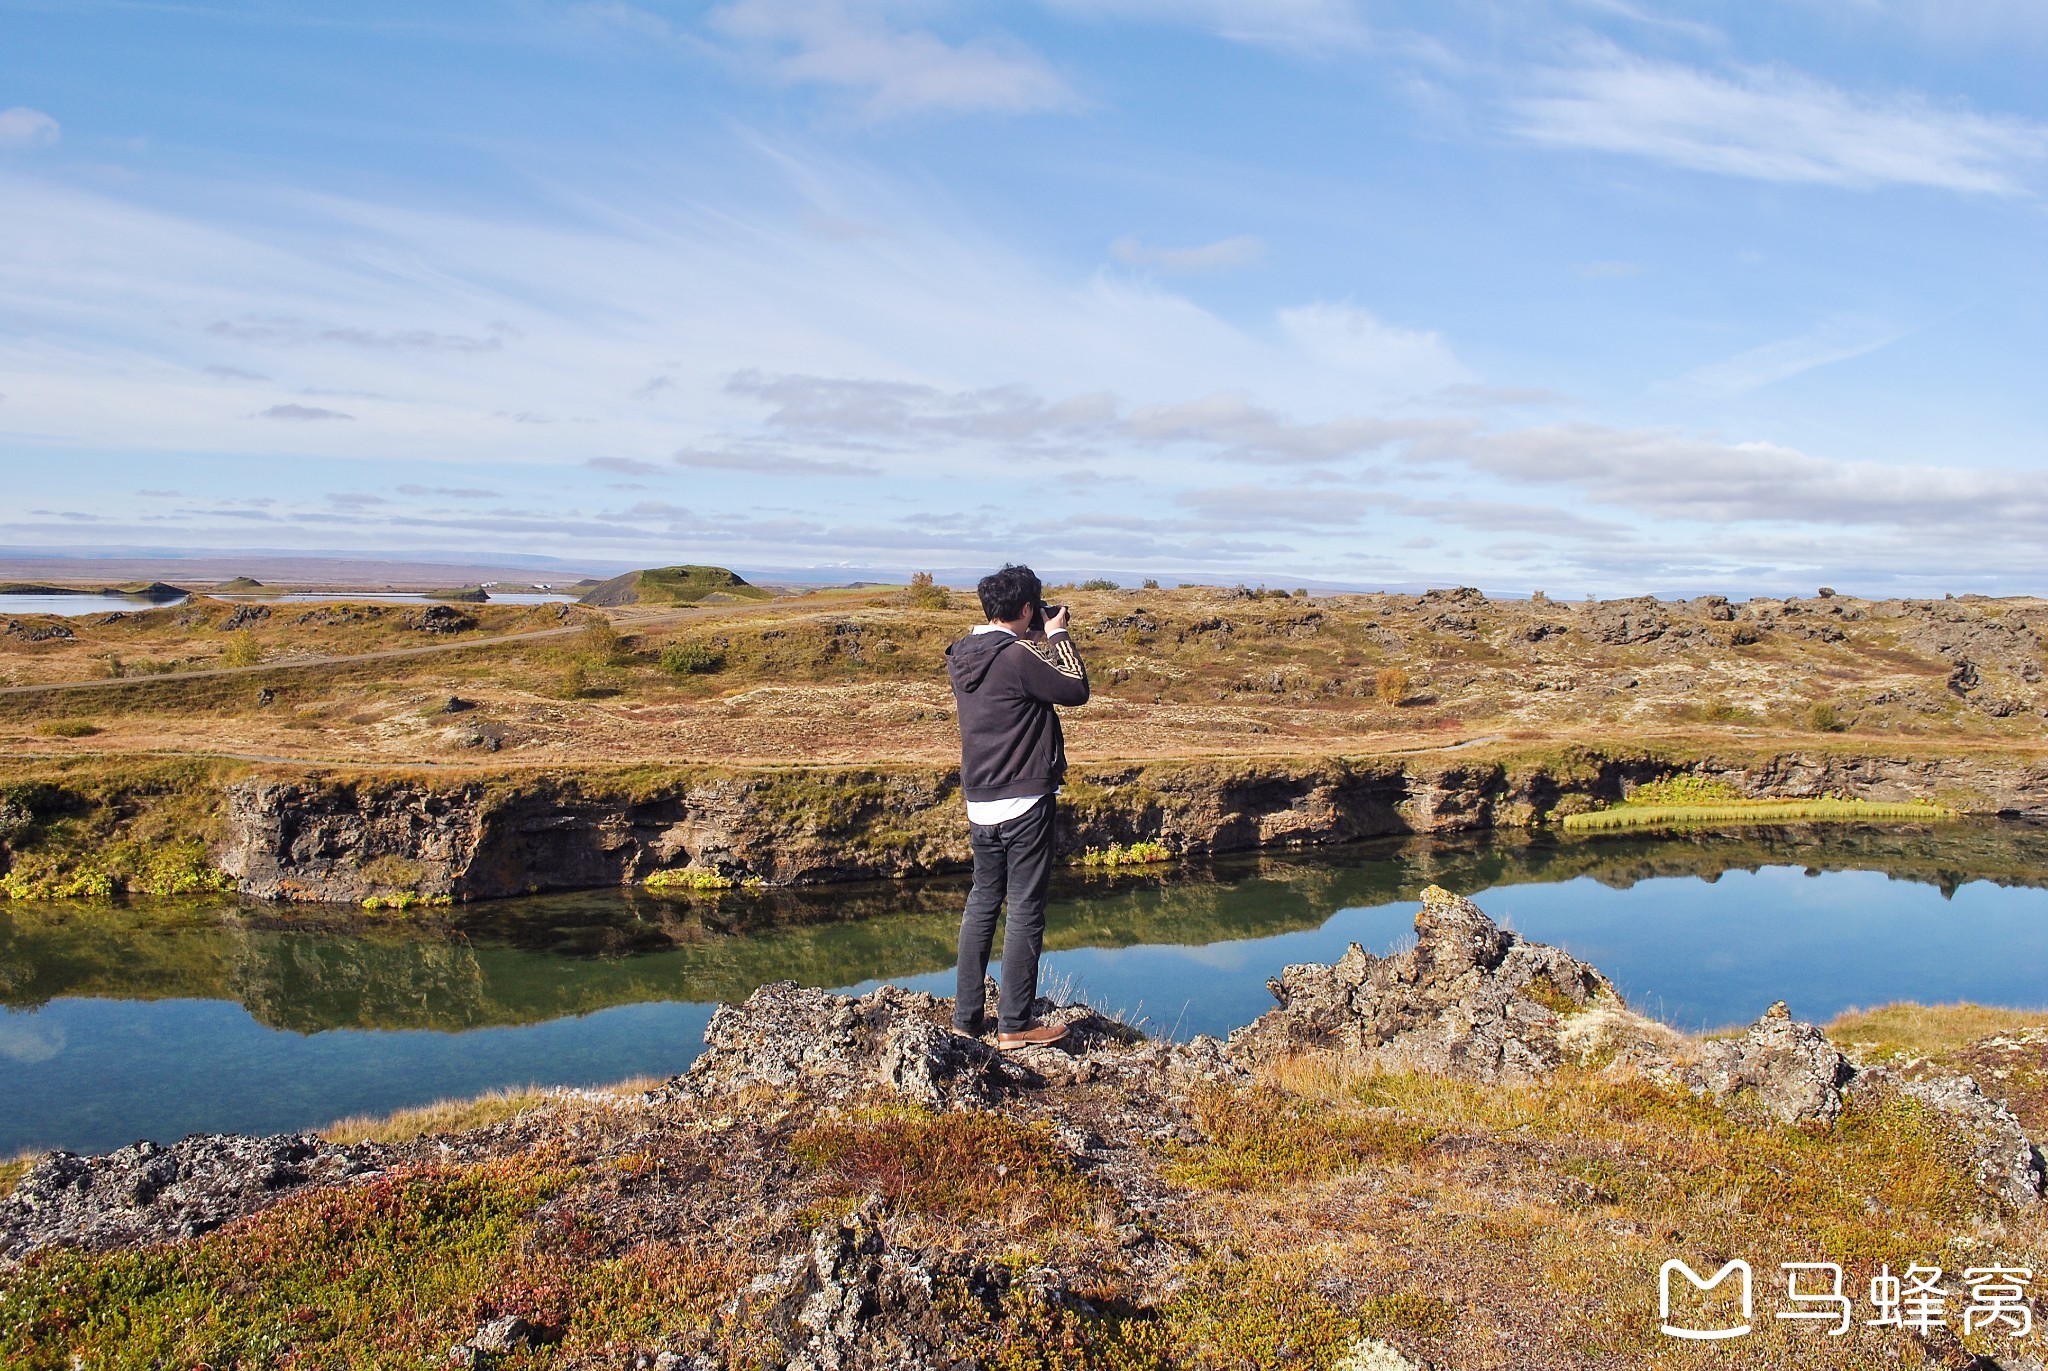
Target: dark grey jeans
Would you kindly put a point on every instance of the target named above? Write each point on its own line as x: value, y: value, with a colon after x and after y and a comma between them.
x: 1014, y: 860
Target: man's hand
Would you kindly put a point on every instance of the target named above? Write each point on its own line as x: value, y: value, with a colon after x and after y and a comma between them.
x: 1055, y: 623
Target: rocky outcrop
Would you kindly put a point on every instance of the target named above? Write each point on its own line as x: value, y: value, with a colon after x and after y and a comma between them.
x: 789, y: 1039
x: 148, y: 1193
x: 1469, y: 999
x: 1790, y: 1068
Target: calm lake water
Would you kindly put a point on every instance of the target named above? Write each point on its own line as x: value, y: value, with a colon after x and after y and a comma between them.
x: 74, y: 605
x: 158, y: 1019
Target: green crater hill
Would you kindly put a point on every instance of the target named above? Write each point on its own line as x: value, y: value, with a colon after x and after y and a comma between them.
x: 674, y: 585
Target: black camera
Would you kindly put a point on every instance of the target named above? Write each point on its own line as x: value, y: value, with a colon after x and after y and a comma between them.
x: 1040, y: 612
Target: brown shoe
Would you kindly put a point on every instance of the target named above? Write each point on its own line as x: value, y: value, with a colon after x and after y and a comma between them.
x: 1039, y: 1036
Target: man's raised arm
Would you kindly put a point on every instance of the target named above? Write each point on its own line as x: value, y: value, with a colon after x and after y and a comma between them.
x: 1053, y: 671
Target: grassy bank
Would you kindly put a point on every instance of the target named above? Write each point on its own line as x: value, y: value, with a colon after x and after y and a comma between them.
x: 1732, y: 813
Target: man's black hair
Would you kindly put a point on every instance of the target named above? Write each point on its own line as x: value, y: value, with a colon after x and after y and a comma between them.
x: 1006, y: 594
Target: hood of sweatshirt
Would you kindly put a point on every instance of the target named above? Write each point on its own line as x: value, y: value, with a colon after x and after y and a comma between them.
x: 968, y: 660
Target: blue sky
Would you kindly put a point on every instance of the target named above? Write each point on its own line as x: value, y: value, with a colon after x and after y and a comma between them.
x: 1573, y: 295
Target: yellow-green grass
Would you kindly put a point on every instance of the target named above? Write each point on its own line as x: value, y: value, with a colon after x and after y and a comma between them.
x: 1755, y: 812
x: 1266, y: 1138
x: 1914, y: 1030
x: 442, y: 1116
x: 463, y: 1115
x: 13, y: 1168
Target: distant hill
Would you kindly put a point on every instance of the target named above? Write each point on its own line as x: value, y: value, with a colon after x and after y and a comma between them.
x: 674, y: 585
x: 240, y: 583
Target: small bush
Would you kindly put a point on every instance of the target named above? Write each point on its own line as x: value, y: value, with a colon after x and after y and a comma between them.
x: 242, y: 649
x: 1391, y: 685
x: 573, y: 682
x: 926, y: 593
x: 66, y: 728
x: 602, y: 643
x: 1151, y: 583
x: 1821, y: 717
x: 691, y: 659
x: 1100, y: 583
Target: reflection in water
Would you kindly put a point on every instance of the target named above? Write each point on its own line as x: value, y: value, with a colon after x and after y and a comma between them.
x: 152, y: 1019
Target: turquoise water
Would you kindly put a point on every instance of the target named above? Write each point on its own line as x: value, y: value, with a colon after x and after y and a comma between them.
x: 155, y: 1020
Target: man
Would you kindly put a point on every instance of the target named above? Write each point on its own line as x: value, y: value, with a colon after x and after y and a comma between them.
x: 1007, y: 675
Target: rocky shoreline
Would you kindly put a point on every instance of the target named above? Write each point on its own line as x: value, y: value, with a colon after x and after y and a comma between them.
x: 346, y: 838
x: 832, y: 1264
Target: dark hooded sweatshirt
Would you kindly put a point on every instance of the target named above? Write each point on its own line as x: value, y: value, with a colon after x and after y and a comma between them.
x: 1005, y: 688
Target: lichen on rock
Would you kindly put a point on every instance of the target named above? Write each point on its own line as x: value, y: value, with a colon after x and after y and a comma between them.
x: 146, y: 1193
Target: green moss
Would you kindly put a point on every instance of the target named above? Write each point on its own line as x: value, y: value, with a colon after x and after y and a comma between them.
x: 1136, y: 854
x: 685, y: 881
x: 402, y: 900
x: 50, y: 872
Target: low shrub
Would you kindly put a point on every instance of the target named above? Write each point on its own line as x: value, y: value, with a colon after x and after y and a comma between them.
x: 242, y: 649
x: 926, y: 593
x: 1391, y: 685
x: 691, y: 659
x: 66, y: 728
x: 602, y: 643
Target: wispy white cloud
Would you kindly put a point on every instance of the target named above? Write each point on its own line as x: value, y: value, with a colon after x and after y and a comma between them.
x: 1832, y: 340
x: 300, y: 413
x: 22, y: 127
x: 291, y: 332
x: 762, y: 462
x: 1301, y: 26
x: 1771, y: 124
x: 1225, y: 254
x: 891, y: 71
x: 1355, y: 342
x: 1668, y: 474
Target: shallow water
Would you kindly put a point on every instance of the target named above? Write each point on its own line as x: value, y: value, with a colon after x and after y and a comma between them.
x: 157, y: 1018
x: 74, y: 605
